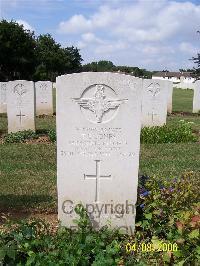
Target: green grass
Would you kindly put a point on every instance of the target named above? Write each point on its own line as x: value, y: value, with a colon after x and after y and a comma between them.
x: 195, y: 119
x: 28, y: 171
x: 28, y: 176
x: 43, y: 124
x: 169, y: 160
x: 182, y: 100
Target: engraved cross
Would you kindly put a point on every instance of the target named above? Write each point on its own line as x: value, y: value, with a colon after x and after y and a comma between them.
x: 97, y: 177
x: 152, y: 115
x: 20, y: 116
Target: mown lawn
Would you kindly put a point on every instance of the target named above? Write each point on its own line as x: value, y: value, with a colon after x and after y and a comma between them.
x: 182, y: 100
x: 28, y: 176
x: 28, y: 171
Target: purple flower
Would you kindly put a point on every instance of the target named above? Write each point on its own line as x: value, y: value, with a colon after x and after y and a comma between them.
x: 146, y: 193
x: 142, y: 205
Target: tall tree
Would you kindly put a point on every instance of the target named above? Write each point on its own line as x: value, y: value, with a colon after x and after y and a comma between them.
x: 53, y: 60
x: 17, y: 51
x: 99, y: 66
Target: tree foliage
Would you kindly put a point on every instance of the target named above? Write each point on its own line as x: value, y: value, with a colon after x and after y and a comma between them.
x: 99, y: 66
x: 104, y: 65
x: 17, y: 51
x: 25, y: 56
x: 197, y: 61
x: 53, y: 60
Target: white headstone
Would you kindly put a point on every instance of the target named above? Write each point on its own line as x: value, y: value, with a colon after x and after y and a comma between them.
x: 20, y: 105
x: 154, y: 102
x: 98, y: 141
x: 196, y: 98
x: 170, y: 94
x: 3, y: 105
x: 44, y: 98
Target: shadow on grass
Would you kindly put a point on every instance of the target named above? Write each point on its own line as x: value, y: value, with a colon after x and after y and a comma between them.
x: 4, y: 115
x: 42, y: 131
x: 2, y: 132
x: 27, y: 203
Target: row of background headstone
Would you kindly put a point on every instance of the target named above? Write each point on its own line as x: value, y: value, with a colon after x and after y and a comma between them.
x: 20, y: 98
x: 43, y: 94
x: 44, y: 97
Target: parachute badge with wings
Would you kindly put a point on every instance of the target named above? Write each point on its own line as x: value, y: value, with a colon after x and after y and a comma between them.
x: 99, y: 104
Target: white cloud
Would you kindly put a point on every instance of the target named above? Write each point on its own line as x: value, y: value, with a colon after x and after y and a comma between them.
x: 91, y: 38
x: 76, y: 24
x: 141, y: 31
x: 107, y: 48
x: 26, y: 25
x: 188, y: 48
x: 139, y: 21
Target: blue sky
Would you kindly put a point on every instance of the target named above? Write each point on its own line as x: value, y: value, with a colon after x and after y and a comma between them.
x: 152, y: 34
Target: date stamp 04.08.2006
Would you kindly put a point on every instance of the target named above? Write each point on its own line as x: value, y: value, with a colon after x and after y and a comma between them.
x: 151, y: 247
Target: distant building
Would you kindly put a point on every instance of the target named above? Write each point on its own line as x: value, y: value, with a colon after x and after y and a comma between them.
x: 174, y: 76
x: 182, y: 80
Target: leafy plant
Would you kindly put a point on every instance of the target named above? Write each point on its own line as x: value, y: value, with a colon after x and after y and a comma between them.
x: 181, y: 132
x: 33, y: 244
x: 20, y: 137
x: 52, y: 135
x: 169, y: 214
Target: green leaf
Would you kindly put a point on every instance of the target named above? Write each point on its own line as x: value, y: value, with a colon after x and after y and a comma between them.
x: 2, y: 253
x: 194, y: 234
x: 197, y: 250
x: 156, y: 242
x: 11, y: 253
x: 138, y: 224
x: 166, y: 257
x: 148, y: 216
x: 180, y: 263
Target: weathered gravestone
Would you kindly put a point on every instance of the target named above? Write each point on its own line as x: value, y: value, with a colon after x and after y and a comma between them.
x: 3, y: 105
x: 20, y: 105
x: 98, y: 141
x: 154, y: 102
x: 196, y: 97
x: 44, y: 98
x: 170, y: 94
